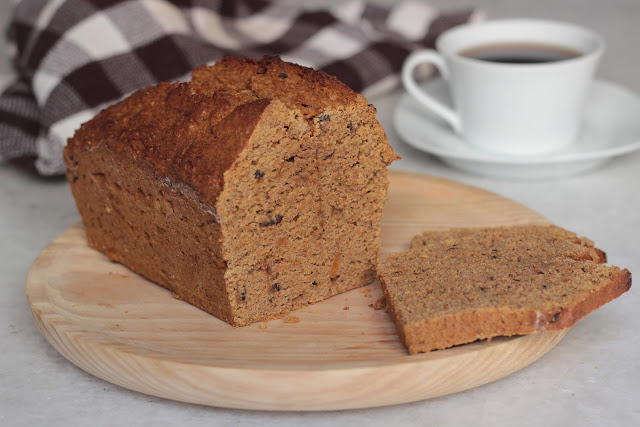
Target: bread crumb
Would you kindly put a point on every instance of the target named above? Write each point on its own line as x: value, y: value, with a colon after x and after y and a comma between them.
x: 366, y: 292
x: 263, y: 326
x: 346, y: 308
x: 291, y: 319
x: 379, y: 304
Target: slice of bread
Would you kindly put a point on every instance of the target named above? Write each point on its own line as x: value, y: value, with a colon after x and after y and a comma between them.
x: 461, y: 285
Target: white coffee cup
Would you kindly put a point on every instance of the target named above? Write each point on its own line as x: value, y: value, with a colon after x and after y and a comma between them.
x: 511, y: 108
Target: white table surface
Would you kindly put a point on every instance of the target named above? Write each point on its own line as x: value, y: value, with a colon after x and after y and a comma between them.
x: 592, y: 377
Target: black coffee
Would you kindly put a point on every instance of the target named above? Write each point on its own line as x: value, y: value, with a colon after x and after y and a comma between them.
x: 520, y: 53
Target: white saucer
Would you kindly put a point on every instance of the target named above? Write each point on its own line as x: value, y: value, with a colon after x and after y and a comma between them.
x: 611, y: 128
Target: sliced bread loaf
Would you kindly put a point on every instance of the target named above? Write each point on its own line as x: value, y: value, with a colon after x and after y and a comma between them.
x: 252, y: 190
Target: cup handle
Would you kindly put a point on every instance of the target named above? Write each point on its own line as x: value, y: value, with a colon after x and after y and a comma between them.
x: 418, y: 58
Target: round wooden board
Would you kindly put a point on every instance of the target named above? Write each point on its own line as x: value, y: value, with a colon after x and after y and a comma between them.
x: 337, y: 354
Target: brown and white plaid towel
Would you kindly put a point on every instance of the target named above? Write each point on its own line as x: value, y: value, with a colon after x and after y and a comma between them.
x: 74, y: 57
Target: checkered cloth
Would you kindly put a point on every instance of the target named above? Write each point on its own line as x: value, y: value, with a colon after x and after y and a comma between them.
x: 74, y: 57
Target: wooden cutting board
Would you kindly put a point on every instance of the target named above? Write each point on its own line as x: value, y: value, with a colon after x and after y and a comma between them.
x: 337, y: 354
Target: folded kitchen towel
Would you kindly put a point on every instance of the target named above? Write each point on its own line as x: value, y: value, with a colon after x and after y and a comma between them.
x: 72, y: 58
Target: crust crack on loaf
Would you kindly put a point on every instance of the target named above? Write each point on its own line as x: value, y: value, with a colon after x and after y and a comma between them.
x: 457, y: 286
x: 255, y: 189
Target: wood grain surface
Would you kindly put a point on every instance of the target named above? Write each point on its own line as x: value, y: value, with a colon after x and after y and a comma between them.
x: 337, y: 354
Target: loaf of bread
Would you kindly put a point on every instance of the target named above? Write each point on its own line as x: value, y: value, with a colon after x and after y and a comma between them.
x: 457, y: 286
x: 250, y: 191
